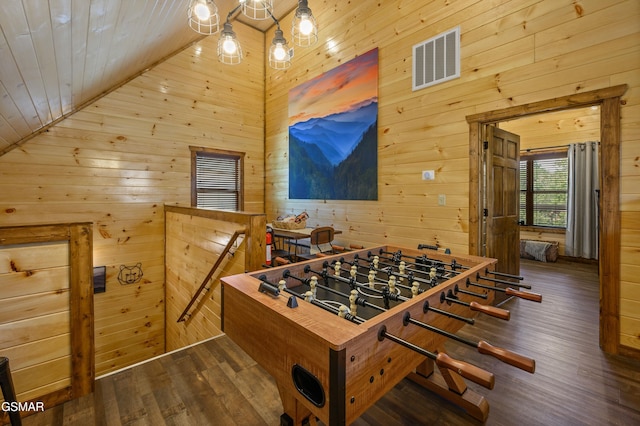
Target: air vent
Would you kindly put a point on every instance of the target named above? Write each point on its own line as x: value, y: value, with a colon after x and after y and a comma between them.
x: 437, y: 59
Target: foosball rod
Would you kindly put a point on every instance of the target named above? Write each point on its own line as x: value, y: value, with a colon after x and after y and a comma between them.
x: 509, y: 357
x: 378, y: 280
x: 426, y: 306
x: 406, y: 287
x: 475, y: 306
x: 359, y: 300
x: 389, y: 265
x: 275, y: 291
x: 502, y: 274
x: 535, y: 297
x: 495, y: 280
x: 390, y: 272
x: 350, y: 281
x: 424, y: 258
x: 466, y: 370
x: 434, y: 264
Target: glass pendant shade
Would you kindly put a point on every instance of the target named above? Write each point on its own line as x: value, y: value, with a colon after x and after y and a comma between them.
x: 229, y: 49
x: 279, y: 52
x: 203, y: 16
x: 257, y: 9
x: 304, y: 30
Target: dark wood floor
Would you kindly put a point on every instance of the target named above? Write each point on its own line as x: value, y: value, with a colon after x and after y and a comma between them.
x: 215, y: 383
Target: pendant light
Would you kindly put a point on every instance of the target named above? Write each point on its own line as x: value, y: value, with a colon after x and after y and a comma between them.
x: 279, y: 52
x: 257, y: 9
x: 204, y: 19
x: 229, y: 49
x: 304, y: 30
x: 203, y: 16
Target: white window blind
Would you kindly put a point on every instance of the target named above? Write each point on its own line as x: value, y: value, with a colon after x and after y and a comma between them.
x: 218, y: 182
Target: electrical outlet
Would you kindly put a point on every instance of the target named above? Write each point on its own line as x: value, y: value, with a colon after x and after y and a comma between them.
x: 442, y: 200
x: 428, y: 175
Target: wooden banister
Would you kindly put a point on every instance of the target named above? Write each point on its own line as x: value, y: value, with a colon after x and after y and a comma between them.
x: 225, y: 251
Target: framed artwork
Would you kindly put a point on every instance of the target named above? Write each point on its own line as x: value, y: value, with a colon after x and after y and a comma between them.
x: 333, y: 133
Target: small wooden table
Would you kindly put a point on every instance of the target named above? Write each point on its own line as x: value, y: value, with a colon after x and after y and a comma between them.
x: 290, y: 237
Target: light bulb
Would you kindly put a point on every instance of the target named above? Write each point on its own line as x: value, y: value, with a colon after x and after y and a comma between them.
x: 306, y: 26
x: 202, y: 11
x: 279, y: 53
x: 229, y: 46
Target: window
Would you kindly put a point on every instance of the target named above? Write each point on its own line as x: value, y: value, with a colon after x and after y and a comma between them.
x: 216, y: 179
x: 543, y: 189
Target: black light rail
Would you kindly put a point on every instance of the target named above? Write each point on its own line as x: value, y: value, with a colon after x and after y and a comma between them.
x: 274, y: 290
x: 466, y: 370
x: 509, y: 357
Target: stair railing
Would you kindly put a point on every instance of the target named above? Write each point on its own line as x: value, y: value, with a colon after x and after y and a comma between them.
x: 225, y: 251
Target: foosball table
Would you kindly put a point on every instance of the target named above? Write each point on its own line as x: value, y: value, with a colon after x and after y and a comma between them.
x: 339, y: 332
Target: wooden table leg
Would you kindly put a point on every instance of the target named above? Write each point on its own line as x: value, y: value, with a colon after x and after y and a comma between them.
x: 295, y: 414
x: 451, y: 386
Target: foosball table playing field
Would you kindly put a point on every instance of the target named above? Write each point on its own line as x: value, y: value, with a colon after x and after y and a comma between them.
x: 339, y: 332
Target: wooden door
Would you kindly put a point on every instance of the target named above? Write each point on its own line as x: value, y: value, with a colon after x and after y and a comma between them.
x: 502, y: 194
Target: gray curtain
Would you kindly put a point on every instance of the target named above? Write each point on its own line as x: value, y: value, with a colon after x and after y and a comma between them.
x: 582, y: 203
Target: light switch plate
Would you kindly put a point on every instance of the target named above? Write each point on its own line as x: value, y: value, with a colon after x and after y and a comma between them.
x: 428, y: 175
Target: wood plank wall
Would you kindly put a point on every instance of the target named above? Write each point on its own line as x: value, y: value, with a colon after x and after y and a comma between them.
x: 552, y: 129
x: 46, y: 311
x: 195, y: 239
x: 119, y: 160
x: 513, y: 52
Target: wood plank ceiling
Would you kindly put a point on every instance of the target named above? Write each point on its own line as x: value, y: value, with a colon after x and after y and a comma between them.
x: 57, y: 56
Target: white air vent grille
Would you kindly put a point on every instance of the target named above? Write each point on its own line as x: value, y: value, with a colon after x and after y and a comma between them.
x: 437, y: 59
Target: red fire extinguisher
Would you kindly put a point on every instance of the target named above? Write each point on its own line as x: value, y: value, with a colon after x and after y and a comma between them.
x: 269, y: 241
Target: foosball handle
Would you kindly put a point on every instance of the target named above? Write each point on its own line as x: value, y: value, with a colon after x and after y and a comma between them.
x: 466, y: 370
x: 523, y: 295
x: 512, y: 358
x: 490, y: 310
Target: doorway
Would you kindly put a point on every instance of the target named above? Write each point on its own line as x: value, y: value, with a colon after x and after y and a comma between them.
x: 609, y: 101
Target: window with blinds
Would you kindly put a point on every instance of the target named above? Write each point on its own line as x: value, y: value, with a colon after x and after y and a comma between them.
x: 216, y: 180
x: 543, y: 189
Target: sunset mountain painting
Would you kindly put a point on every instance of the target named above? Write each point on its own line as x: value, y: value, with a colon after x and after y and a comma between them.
x: 333, y: 137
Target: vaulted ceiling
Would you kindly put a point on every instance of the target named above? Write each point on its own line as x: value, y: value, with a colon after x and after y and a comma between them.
x: 57, y: 56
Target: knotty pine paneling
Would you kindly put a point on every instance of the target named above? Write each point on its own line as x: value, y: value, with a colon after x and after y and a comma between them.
x: 195, y: 240
x: 512, y: 53
x: 118, y: 161
x: 34, y: 287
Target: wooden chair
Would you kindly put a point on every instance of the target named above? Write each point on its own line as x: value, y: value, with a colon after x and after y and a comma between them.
x: 321, y: 238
